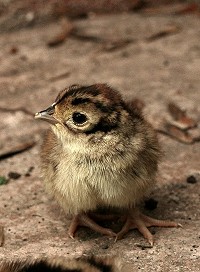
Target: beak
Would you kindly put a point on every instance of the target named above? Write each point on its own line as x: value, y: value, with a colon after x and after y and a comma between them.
x: 46, y: 115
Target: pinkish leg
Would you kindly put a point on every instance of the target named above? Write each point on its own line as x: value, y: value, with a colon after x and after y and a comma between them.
x: 137, y: 220
x: 84, y: 220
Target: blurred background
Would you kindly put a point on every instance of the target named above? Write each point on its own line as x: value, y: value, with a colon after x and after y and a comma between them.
x: 21, y: 13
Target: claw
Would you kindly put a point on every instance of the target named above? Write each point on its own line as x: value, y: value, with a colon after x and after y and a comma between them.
x: 141, y: 222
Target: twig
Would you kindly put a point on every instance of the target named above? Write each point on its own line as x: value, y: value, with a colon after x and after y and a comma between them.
x: 16, y: 150
x: 111, y: 45
x: 169, y: 30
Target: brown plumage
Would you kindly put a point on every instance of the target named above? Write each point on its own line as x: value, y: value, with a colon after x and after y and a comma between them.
x: 61, y: 264
x: 100, y: 152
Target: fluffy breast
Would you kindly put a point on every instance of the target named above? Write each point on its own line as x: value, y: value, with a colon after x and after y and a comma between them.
x: 83, y: 184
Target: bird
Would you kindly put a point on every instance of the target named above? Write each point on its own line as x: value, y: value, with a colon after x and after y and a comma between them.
x: 100, y: 152
x: 62, y: 264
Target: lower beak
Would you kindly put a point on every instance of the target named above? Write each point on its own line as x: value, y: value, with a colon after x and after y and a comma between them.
x: 46, y: 115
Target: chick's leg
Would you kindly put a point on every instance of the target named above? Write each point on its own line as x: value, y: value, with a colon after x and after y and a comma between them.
x: 137, y: 220
x: 84, y: 220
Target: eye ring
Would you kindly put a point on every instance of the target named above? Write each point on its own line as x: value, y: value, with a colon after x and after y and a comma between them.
x: 79, y: 118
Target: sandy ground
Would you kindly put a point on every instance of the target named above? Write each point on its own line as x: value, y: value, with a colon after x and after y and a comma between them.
x: 156, y: 71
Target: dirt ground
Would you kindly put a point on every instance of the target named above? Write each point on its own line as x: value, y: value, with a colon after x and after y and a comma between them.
x: 131, y: 53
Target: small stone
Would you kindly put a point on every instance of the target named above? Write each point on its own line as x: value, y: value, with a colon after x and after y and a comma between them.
x: 14, y: 175
x: 191, y: 179
x: 195, y: 246
x: 151, y: 204
x: 30, y: 16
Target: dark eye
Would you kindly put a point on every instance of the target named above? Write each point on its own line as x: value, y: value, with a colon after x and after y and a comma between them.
x: 79, y: 118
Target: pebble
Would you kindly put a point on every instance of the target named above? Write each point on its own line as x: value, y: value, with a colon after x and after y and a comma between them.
x: 194, y: 178
x: 14, y: 175
x: 151, y: 204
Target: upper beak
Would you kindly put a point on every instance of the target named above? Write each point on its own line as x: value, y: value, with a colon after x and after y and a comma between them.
x: 47, y: 115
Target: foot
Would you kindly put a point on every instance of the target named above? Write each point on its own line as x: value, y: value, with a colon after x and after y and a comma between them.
x: 137, y: 220
x: 85, y: 221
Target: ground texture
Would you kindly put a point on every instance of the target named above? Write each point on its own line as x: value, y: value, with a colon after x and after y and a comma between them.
x: 126, y: 52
